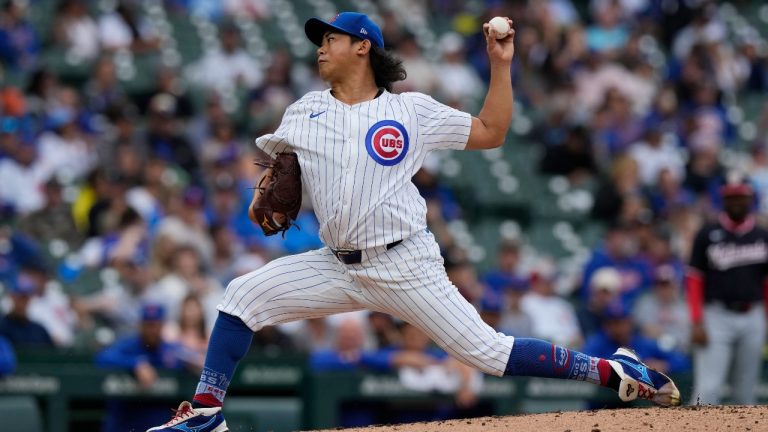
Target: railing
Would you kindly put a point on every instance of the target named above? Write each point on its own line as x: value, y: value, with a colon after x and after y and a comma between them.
x: 71, y: 391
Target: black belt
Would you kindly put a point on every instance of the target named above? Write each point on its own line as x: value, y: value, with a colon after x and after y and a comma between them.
x: 737, y: 306
x: 348, y: 256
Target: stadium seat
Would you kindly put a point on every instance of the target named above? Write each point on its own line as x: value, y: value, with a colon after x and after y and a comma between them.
x: 20, y: 414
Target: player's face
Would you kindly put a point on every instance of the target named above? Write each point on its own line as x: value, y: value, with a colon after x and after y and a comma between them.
x: 151, y: 333
x: 737, y: 207
x: 335, y: 55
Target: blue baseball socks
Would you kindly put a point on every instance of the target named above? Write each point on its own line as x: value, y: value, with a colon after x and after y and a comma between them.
x: 537, y: 358
x: 230, y: 340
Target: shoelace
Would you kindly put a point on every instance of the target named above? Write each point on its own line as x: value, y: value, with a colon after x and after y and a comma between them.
x: 645, y: 392
x: 181, y: 415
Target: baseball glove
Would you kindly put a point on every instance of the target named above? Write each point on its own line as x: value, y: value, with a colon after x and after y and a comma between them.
x: 277, y: 197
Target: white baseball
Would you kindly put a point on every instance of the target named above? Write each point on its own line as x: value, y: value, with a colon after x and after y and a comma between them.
x: 500, y: 26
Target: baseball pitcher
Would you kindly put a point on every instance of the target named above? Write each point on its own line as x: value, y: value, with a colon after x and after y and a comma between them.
x: 356, y: 147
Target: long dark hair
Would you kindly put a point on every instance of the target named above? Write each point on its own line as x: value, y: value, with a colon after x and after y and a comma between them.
x: 387, y: 67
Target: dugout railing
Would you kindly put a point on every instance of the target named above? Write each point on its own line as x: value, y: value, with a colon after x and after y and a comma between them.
x: 66, y: 392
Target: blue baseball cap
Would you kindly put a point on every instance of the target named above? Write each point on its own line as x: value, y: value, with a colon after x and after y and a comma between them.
x: 615, y: 311
x: 152, y: 312
x: 351, y: 23
x: 23, y: 285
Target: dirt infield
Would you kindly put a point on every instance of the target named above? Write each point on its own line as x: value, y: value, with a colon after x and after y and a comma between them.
x: 684, y: 419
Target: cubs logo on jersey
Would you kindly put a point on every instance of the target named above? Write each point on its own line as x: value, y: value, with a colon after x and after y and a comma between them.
x: 387, y: 142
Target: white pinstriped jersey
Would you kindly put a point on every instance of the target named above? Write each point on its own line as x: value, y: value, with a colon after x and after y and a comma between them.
x: 357, y: 161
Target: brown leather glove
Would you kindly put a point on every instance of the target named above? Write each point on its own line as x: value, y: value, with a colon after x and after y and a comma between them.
x: 277, y: 197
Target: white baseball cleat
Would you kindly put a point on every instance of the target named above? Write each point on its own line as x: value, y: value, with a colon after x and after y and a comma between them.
x: 638, y: 381
x: 188, y: 419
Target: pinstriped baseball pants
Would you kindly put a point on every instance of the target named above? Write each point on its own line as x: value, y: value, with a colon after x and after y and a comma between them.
x: 407, y: 281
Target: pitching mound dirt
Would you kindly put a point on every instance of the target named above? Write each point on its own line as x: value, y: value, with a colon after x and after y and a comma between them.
x: 685, y: 419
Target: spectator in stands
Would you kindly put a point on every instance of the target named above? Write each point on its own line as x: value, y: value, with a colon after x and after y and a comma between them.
x: 201, y: 125
x: 221, y: 145
x: 40, y: 92
x: 54, y: 221
x: 19, y: 251
x: 654, y: 154
x: 271, y: 341
x: 552, y: 317
x: 109, y: 208
x: 558, y: 117
x: 256, y: 10
x: 16, y: 325
x: 421, y: 73
x: 166, y: 139
x: 149, y: 194
x: 615, y: 124
x: 620, y: 251
x: 311, y: 335
x: 423, y: 367
x: 668, y: 193
x: 604, y: 287
x: 508, y: 267
x: 703, y: 168
x: 190, y: 331
x: 19, y: 44
x: 51, y: 306
x: 64, y: 151
x: 185, y: 223
x: 514, y: 320
x: 756, y: 66
x: 187, y: 277
x: 168, y: 81
x: 662, y: 314
x: 490, y: 308
x: 103, y: 92
x: 21, y: 175
x: 7, y: 357
x: 143, y: 353
x: 455, y: 69
x: 664, y: 116
x: 227, y: 249
x: 384, y: 329
x: 619, y: 331
x: 118, y: 304
x: 76, y: 30
x: 616, y: 189
x: 229, y: 68
x: 607, y: 35
x: 463, y: 275
x: 124, y: 28
x: 573, y: 158
x: 348, y: 352
x: 705, y: 26
x: 267, y: 101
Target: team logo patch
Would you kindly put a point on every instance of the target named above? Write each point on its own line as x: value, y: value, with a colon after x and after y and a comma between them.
x: 387, y: 142
x: 561, y: 358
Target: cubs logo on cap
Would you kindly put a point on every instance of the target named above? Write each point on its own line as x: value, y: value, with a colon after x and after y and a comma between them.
x: 387, y: 142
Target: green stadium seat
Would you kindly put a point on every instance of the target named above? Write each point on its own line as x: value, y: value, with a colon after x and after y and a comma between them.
x: 20, y: 414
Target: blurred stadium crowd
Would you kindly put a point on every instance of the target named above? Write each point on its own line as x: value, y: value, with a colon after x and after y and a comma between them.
x: 124, y: 212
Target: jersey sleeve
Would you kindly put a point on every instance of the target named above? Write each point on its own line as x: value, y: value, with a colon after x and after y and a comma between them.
x: 699, y: 251
x: 277, y: 141
x: 440, y: 126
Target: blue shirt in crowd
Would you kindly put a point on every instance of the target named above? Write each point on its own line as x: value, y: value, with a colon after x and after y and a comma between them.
x: 601, y: 346
x: 7, y: 357
x: 128, y: 352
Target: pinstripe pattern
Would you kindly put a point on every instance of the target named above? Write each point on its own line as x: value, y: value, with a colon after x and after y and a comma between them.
x: 365, y: 203
x: 407, y: 281
x: 359, y: 202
